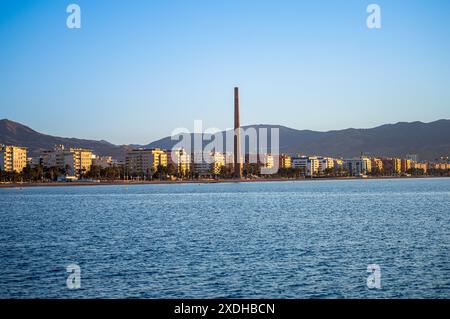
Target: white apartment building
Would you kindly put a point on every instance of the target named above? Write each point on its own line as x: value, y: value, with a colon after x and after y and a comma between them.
x: 358, y: 166
x: 325, y: 163
x: 308, y: 164
x: 74, y: 160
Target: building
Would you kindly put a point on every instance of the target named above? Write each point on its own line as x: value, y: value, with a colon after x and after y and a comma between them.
x: 358, y: 166
x: 405, y: 165
x: 420, y: 166
x: 145, y: 161
x: 285, y: 161
x: 412, y: 157
x: 392, y: 165
x: 397, y: 165
x: 441, y: 166
x: 308, y: 164
x: 266, y: 160
x: 208, y: 164
x: 377, y: 165
x: 102, y: 161
x: 13, y: 158
x: 325, y: 164
x: 338, y: 163
x: 73, y: 161
x: 180, y: 160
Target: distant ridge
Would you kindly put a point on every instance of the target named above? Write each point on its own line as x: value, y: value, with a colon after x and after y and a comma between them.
x: 13, y: 133
x: 428, y: 140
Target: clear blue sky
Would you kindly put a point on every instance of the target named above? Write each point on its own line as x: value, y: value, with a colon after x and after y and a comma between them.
x: 138, y: 69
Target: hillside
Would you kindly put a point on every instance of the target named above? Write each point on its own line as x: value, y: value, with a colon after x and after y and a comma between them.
x: 428, y: 140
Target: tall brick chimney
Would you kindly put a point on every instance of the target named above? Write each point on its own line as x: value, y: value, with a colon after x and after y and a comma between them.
x: 237, y: 136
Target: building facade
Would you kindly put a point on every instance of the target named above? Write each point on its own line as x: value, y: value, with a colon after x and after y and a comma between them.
x: 392, y: 165
x: 13, y: 158
x: 102, y: 161
x: 325, y: 164
x: 308, y: 164
x: 180, y: 160
x: 420, y: 166
x: 73, y: 161
x: 145, y: 161
x: 405, y: 165
x: 285, y: 161
x: 206, y: 164
x: 377, y: 165
x: 358, y: 166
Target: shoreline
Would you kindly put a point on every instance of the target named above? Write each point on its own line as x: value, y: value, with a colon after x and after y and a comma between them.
x: 201, y: 181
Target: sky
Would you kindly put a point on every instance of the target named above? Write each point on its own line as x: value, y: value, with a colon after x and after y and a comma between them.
x: 138, y: 69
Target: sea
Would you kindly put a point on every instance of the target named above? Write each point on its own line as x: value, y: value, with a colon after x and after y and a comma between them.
x: 367, y: 238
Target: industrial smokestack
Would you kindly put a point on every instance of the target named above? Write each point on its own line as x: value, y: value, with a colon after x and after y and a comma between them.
x: 237, y: 136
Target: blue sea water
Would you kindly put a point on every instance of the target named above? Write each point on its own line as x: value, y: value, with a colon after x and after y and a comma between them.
x: 307, y: 239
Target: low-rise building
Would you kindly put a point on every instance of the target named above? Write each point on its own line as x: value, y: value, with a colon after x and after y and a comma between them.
x: 420, y: 166
x: 13, y: 158
x: 441, y: 166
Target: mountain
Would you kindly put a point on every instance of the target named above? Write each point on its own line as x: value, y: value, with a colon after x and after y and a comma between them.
x: 13, y: 133
x: 428, y: 140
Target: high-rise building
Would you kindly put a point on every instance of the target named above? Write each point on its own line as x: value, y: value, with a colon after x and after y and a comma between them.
x: 145, y: 161
x: 208, y: 164
x: 308, y: 164
x: 285, y: 161
x: 325, y: 163
x: 358, y: 166
x: 266, y: 160
x: 13, y: 158
x: 405, y: 165
x: 338, y: 163
x: 180, y: 160
x: 74, y: 161
x: 377, y: 165
x: 392, y: 165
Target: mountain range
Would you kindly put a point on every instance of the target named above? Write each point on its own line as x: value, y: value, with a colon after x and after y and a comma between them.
x: 428, y: 140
